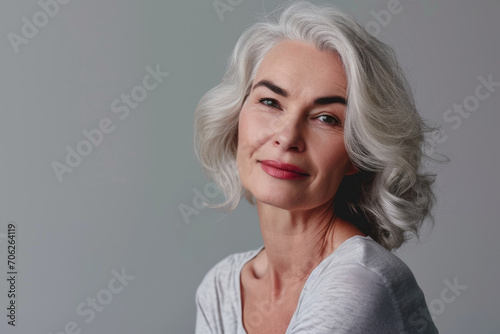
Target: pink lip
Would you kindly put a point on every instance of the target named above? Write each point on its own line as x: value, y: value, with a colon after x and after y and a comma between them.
x: 282, y: 170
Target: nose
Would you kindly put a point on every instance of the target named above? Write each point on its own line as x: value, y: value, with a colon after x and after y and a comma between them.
x: 289, y: 135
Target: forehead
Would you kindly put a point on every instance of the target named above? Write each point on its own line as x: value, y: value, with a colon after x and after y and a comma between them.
x: 299, y: 65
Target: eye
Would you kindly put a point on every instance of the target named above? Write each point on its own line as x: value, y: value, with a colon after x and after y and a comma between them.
x: 272, y: 103
x: 328, y: 119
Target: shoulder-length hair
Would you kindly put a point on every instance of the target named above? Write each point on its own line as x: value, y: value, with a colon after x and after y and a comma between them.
x: 390, y: 197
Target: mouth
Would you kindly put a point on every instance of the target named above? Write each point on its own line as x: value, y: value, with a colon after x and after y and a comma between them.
x: 282, y: 170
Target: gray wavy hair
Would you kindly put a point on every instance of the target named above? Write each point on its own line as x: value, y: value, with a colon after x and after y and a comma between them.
x: 390, y: 197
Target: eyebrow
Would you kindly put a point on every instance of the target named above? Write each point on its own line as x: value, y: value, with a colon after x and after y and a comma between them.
x: 280, y: 91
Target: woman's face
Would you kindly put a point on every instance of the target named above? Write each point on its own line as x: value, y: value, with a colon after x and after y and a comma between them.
x: 291, y: 151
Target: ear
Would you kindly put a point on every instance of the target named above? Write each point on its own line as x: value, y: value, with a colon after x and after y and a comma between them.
x: 352, y: 170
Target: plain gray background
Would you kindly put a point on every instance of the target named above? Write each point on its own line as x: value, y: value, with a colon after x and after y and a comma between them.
x: 120, y: 207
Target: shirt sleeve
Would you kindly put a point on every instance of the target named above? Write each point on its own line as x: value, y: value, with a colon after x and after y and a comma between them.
x: 355, y: 300
x: 215, y: 299
x: 207, y: 310
x: 202, y: 321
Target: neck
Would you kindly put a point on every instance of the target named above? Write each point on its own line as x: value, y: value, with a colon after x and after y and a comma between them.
x: 295, y: 243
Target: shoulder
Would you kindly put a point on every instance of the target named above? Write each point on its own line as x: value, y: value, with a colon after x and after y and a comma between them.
x: 369, y: 259
x: 360, y: 260
x: 224, y: 271
x: 218, y: 294
x: 362, y: 287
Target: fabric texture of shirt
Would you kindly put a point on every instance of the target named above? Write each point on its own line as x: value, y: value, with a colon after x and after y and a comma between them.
x: 360, y: 288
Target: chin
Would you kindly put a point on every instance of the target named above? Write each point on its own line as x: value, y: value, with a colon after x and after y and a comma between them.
x: 280, y: 199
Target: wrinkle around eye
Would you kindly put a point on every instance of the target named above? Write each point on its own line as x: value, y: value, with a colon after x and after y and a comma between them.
x: 273, y: 103
x: 335, y: 120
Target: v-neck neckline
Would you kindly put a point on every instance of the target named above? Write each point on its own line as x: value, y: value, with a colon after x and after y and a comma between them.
x: 237, y: 280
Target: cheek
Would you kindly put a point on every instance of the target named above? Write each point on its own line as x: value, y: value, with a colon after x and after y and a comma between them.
x: 243, y: 130
x: 245, y: 140
x: 336, y: 164
x: 252, y: 130
x: 246, y: 147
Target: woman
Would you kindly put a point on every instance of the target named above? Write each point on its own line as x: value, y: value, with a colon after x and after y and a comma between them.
x: 315, y: 123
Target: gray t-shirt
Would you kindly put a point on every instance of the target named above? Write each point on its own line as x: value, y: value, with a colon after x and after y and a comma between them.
x: 360, y: 288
